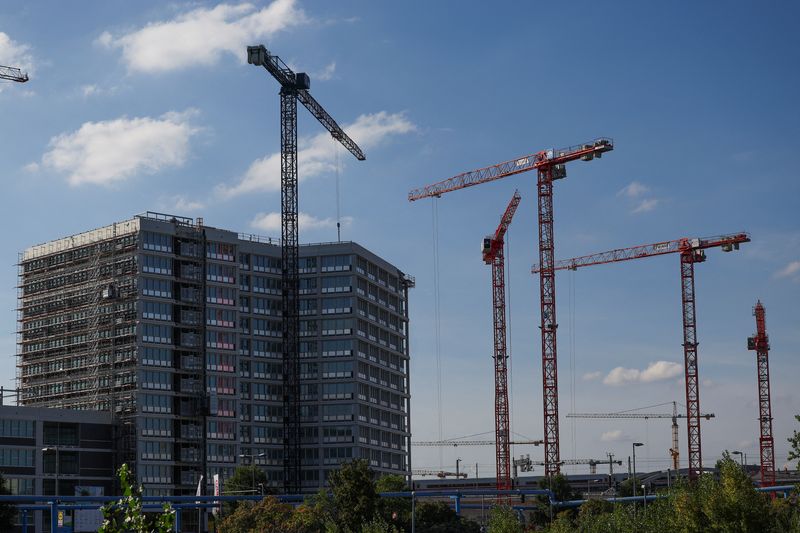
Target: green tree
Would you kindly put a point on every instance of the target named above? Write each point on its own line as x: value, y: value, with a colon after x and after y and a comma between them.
x: 267, y: 516
x: 7, y: 510
x: 126, y: 514
x: 395, y: 511
x: 245, y: 481
x: 503, y: 519
x: 355, y: 499
x: 794, y: 445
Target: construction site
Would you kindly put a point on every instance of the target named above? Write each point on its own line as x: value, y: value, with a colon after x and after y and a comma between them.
x: 215, y: 350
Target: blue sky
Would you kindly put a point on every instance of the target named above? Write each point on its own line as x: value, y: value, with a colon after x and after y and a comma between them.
x: 151, y: 106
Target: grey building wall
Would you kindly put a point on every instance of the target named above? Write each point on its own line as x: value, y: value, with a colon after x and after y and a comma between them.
x: 43, y: 450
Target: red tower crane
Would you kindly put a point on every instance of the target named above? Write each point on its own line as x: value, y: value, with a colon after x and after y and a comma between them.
x: 493, y: 255
x: 549, y: 165
x: 691, y: 251
x: 760, y: 343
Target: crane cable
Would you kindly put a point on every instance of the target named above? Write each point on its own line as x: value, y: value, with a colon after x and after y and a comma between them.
x: 572, y: 358
x: 338, y: 204
x: 437, y: 324
x: 509, y: 314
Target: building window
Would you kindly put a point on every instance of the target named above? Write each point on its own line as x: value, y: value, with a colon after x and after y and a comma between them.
x: 220, y: 250
x: 156, y: 403
x: 156, y: 427
x: 160, y: 288
x: 156, y: 380
x: 340, y: 305
x: 16, y: 457
x: 224, y: 318
x: 156, y: 451
x: 157, y: 333
x: 156, y: 264
x: 221, y: 273
x: 152, y: 356
x: 220, y: 340
x: 156, y: 241
x: 337, y: 348
x: 336, y: 263
x: 221, y: 295
x: 17, y: 428
x: 157, y: 311
x: 337, y: 284
x: 337, y: 326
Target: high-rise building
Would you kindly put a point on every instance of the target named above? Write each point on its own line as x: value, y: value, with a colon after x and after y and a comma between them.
x: 175, y: 327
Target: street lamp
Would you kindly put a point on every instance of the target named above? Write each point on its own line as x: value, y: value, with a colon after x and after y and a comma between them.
x: 740, y: 454
x: 252, y: 456
x: 635, y: 445
x: 48, y: 450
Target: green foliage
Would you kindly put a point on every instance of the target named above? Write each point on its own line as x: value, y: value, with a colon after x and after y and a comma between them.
x: 126, y: 514
x: 355, y: 499
x: 395, y: 511
x: 438, y: 517
x: 7, y: 510
x: 503, y: 519
x: 729, y: 504
x: 245, y: 481
x: 267, y: 516
x: 794, y: 445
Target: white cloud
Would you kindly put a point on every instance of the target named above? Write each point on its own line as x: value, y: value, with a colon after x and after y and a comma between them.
x: 658, y: 371
x: 326, y: 73
x: 89, y: 90
x: 316, y: 155
x: 31, y: 168
x: 200, y: 37
x: 615, y: 435
x: 633, y: 190
x: 106, y: 152
x: 789, y: 270
x: 590, y: 376
x: 271, y: 222
x: 647, y: 204
x: 15, y: 54
x: 180, y: 204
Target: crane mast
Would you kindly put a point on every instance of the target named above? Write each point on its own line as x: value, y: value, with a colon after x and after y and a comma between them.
x: 550, y: 166
x: 493, y: 255
x: 760, y: 343
x: 691, y: 251
x: 294, y: 88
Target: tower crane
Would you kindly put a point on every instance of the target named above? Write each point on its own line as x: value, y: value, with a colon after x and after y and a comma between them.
x: 760, y: 343
x: 294, y: 88
x: 674, y: 451
x: 493, y: 255
x: 550, y: 166
x: 691, y: 251
x: 13, y: 74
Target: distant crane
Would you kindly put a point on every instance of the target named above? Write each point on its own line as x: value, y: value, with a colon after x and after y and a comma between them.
x: 438, y: 473
x: 674, y: 451
x: 294, y: 88
x: 691, y: 251
x: 760, y: 343
x: 457, y: 443
x: 550, y: 166
x: 591, y: 462
x: 13, y: 74
x: 493, y: 255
